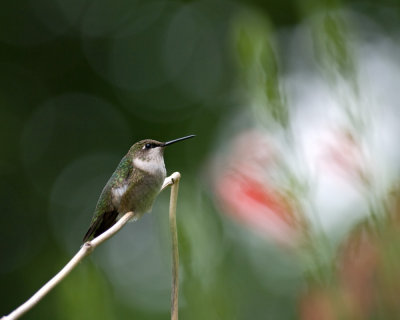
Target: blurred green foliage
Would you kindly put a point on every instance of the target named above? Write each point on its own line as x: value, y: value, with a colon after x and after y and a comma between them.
x: 81, y: 81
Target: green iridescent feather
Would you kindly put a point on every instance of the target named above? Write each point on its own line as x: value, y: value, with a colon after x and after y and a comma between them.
x: 105, y: 213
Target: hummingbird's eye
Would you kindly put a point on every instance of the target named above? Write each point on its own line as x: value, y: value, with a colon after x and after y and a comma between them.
x: 147, y: 146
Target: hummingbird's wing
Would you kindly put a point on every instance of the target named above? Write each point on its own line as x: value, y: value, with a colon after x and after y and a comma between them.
x: 101, y: 224
x: 105, y: 214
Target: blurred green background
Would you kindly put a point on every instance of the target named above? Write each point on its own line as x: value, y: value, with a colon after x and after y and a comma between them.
x: 289, y: 199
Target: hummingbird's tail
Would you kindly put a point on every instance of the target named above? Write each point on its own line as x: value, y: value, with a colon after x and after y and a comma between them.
x: 101, y: 224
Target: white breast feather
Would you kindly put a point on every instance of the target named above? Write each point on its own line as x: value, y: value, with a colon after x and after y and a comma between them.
x: 118, y: 193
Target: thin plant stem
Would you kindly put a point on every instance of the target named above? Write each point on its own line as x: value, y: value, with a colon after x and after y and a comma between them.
x: 175, y: 252
x: 87, y: 248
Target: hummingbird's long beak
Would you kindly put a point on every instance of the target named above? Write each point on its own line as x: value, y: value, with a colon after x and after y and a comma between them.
x: 177, y: 140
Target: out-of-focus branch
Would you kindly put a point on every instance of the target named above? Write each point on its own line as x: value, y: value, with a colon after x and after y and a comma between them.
x: 87, y: 249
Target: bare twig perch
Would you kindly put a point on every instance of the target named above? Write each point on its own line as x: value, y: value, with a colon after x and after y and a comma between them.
x: 89, y: 246
x: 175, y: 252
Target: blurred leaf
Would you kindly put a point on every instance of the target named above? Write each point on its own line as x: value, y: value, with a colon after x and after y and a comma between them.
x: 258, y: 64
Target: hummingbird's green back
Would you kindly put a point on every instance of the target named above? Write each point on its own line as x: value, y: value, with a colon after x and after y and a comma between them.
x: 105, y: 213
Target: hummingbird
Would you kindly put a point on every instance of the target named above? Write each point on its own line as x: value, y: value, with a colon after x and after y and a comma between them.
x: 133, y: 186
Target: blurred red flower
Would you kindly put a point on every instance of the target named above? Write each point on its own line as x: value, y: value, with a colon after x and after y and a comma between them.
x: 245, y: 192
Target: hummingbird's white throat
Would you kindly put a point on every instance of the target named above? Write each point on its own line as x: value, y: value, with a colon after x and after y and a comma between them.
x: 154, y: 164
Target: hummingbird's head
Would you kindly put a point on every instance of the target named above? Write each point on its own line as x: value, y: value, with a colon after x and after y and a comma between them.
x: 148, y: 149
